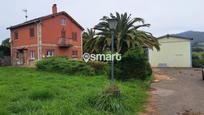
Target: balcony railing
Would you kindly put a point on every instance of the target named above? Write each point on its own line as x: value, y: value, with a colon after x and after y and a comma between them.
x: 65, y: 43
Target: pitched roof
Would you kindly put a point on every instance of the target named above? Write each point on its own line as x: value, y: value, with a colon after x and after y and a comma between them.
x: 175, y: 36
x: 44, y: 18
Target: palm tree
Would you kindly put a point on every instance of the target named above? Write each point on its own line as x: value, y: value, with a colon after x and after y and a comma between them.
x: 90, y: 41
x: 127, y: 35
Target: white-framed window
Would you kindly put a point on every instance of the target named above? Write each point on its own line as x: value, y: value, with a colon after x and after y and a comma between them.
x: 62, y: 21
x: 32, y: 55
x: 50, y: 53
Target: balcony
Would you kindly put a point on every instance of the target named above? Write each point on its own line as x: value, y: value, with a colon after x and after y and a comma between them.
x: 65, y: 43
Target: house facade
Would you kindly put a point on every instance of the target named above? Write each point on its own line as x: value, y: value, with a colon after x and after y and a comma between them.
x: 57, y: 34
x: 175, y: 51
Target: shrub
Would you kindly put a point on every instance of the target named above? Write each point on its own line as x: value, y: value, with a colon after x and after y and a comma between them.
x: 134, y: 65
x: 64, y: 65
x: 108, y: 101
x: 198, y: 63
x: 198, y: 60
x: 202, y: 55
x: 195, y: 56
x: 99, y: 67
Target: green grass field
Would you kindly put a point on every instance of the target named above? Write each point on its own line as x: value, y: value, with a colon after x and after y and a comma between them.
x: 25, y: 91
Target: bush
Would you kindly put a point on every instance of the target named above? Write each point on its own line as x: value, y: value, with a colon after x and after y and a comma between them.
x: 134, y: 65
x: 198, y: 60
x: 64, y: 65
x: 195, y: 56
x: 198, y: 63
x: 202, y: 55
x: 99, y: 67
x: 108, y: 101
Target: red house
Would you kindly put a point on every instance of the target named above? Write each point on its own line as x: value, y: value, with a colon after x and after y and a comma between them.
x: 57, y: 34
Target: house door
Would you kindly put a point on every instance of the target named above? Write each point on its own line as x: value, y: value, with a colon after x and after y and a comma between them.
x: 23, y: 57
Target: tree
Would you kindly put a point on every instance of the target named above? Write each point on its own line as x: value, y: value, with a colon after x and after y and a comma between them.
x: 90, y: 40
x: 127, y: 35
x: 5, y: 48
x: 6, y: 43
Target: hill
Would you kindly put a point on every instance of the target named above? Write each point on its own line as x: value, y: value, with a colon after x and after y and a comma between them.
x: 198, y: 37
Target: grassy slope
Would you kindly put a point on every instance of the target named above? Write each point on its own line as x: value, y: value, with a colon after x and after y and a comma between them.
x: 26, y: 91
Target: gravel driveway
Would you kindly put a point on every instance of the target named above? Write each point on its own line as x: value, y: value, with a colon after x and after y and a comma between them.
x: 182, y: 93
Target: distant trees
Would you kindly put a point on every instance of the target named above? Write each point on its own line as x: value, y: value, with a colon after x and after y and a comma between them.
x: 6, y: 43
x: 5, y: 48
x: 5, y: 53
x: 197, y: 49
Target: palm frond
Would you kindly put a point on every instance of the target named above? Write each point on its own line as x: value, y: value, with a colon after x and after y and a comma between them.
x: 127, y: 35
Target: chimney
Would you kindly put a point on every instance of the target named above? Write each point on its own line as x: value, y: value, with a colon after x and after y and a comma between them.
x: 54, y: 9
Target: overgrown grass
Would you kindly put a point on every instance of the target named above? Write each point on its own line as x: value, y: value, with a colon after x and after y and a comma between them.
x: 25, y: 91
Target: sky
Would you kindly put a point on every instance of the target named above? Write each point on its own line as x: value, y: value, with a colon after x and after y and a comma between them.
x: 165, y: 16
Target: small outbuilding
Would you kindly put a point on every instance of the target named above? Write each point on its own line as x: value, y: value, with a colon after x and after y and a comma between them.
x: 175, y: 51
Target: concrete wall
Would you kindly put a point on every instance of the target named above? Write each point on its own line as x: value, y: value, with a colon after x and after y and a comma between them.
x: 175, y: 52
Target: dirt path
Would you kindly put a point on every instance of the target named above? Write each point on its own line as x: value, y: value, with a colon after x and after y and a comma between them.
x: 177, y: 92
